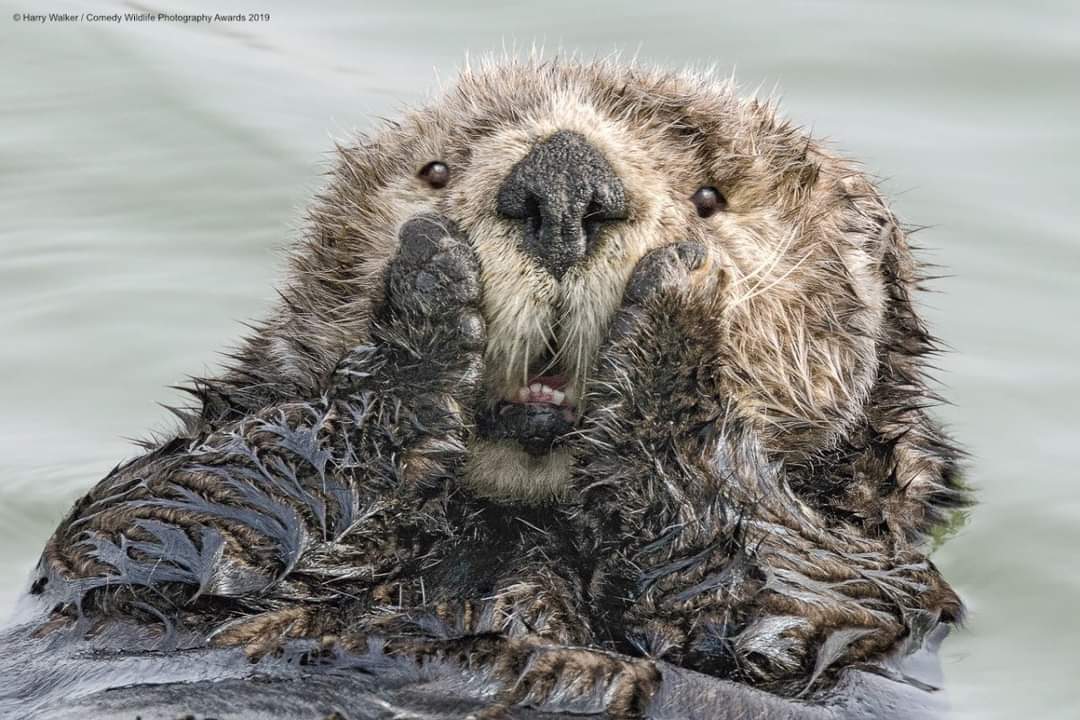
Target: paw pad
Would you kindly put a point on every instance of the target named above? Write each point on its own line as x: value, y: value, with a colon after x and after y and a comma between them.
x: 664, y: 270
x: 435, y: 271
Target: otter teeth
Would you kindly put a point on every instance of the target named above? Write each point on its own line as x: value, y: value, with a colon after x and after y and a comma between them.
x: 540, y: 393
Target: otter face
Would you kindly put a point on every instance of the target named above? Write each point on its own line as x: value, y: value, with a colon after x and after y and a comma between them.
x: 564, y: 177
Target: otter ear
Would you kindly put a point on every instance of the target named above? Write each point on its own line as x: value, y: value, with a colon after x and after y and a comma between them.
x: 904, y: 469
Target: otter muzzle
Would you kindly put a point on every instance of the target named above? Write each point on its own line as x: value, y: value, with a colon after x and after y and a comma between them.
x: 563, y: 191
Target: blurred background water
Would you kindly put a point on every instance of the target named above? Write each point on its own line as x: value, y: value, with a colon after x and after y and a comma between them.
x: 150, y: 174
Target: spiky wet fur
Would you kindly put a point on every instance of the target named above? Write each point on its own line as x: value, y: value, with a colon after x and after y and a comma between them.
x: 754, y: 475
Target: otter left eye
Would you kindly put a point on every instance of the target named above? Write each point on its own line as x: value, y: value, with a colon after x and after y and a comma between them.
x: 708, y: 200
x: 435, y: 174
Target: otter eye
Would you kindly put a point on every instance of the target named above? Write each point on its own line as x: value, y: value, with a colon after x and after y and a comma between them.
x: 435, y: 174
x: 708, y: 200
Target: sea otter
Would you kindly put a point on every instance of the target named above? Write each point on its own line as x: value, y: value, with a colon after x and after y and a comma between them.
x: 583, y: 376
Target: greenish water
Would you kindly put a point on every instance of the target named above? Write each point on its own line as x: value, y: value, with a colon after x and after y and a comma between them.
x: 151, y: 174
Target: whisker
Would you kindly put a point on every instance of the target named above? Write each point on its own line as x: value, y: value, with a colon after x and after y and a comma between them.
x: 770, y: 262
x: 758, y: 290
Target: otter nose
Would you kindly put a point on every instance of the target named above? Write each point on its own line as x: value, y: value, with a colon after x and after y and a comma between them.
x: 563, y: 191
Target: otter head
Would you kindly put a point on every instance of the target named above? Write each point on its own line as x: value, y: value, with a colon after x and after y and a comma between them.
x: 564, y: 176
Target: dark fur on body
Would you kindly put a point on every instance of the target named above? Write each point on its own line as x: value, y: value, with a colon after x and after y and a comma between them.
x: 719, y: 515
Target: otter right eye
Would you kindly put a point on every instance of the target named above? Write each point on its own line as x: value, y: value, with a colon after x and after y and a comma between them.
x: 708, y: 200
x: 436, y: 174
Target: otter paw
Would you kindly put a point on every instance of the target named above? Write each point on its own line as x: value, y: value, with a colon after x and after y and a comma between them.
x: 539, y: 608
x: 435, y: 272
x: 581, y: 680
x: 774, y: 647
x: 666, y: 270
x: 655, y: 375
x: 427, y: 335
x: 665, y: 283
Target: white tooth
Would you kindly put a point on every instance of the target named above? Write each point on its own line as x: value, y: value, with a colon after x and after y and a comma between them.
x: 557, y: 396
x: 536, y: 387
x: 523, y: 394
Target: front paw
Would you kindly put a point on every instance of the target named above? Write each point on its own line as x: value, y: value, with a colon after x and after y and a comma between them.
x: 435, y: 275
x: 655, y: 396
x: 432, y: 300
x: 658, y: 369
x: 414, y: 388
x: 427, y: 334
x: 670, y: 287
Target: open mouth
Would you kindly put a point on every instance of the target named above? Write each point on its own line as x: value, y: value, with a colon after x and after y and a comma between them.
x: 536, y: 415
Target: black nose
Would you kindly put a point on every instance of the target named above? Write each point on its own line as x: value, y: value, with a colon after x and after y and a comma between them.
x: 563, y: 191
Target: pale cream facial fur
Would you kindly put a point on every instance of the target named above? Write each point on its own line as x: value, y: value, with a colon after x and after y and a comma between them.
x: 529, y: 313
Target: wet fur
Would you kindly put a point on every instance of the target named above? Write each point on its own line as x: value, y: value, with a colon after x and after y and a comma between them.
x: 750, y: 489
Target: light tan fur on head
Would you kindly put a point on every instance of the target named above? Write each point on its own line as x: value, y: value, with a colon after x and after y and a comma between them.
x: 808, y: 244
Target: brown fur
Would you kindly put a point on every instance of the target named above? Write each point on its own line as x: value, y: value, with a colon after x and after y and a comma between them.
x: 755, y: 468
